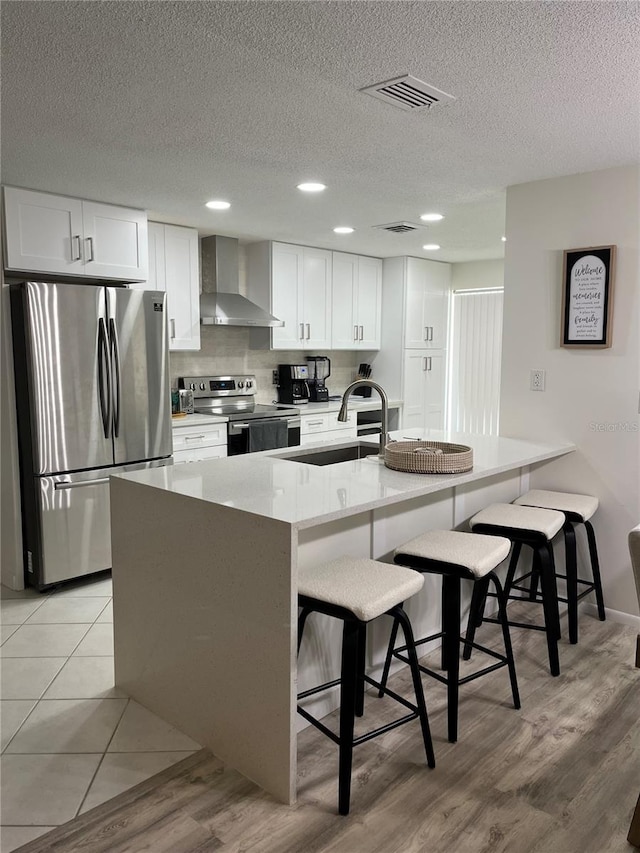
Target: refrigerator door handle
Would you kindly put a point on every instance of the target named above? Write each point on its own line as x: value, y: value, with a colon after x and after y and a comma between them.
x: 114, y: 354
x: 81, y: 484
x: 104, y: 378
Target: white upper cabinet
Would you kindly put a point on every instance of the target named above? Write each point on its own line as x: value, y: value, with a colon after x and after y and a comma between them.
x: 427, y: 299
x: 294, y: 284
x: 175, y: 268
x: 357, y: 302
x: 67, y: 236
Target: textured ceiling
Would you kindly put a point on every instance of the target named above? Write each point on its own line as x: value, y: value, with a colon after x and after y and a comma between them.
x: 165, y: 105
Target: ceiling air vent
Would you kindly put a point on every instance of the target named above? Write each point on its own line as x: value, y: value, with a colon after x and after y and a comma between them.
x: 408, y: 93
x: 400, y: 227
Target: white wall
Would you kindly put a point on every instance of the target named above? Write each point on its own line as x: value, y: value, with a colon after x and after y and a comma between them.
x: 474, y: 274
x: 591, y: 396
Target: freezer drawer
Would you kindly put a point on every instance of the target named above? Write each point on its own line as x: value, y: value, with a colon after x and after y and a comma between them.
x: 73, y: 526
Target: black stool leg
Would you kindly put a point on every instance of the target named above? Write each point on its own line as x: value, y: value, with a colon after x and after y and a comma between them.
x: 595, y: 568
x: 302, y: 619
x: 444, y: 651
x: 409, y: 641
x: 348, y: 689
x: 451, y: 644
x: 513, y: 565
x: 362, y: 647
x: 508, y: 650
x: 550, y: 605
x: 476, y: 613
x: 571, y: 562
x: 387, y: 661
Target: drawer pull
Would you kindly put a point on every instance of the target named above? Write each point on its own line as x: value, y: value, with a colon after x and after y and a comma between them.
x: 194, y: 437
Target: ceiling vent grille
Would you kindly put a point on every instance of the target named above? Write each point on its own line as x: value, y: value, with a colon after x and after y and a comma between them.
x: 400, y: 227
x: 408, y: 93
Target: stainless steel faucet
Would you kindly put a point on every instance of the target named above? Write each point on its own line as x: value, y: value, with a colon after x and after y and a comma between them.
x: 369, y: 383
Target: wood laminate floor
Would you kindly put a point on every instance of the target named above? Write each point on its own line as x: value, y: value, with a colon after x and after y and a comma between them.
x: 561, y: 775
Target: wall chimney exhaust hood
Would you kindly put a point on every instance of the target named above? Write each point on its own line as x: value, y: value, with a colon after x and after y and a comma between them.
x: 220, y: 301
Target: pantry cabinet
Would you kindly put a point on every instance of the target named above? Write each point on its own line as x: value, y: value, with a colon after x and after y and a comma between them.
x: 411, y: 364
x: 174, y: 267
x: 357, y: 302
x: 294, y: 284
x: 427, y: 286
x: 52, y: 234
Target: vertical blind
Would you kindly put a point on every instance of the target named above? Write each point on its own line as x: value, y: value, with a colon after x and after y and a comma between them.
x: 475, y: 354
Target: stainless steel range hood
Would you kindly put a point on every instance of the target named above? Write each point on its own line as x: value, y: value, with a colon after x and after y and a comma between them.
x: 220, y: 301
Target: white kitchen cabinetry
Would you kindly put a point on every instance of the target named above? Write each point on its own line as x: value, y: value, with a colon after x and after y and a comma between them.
x: 357, y: 302
x: 294, y: 284
x: 175, y: 268
x: 195, y: 443
x: 427, y: 286
x: 68, y: 236
x: 411, y: 364
x: 327, y: 427
x: 424, y: 374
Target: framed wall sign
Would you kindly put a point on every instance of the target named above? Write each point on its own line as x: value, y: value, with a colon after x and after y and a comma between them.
x: 587, y: 296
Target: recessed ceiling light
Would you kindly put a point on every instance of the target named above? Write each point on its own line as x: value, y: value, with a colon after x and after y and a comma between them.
x: 311, y: 187
x: 504, y: 239
x: 431, y: 217
x: 343, y: 230
x: 218, y: 205
x: 431, y: 247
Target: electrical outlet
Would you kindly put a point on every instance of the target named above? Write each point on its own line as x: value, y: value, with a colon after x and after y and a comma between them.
x: 274, y: 377
x: 536, y: 380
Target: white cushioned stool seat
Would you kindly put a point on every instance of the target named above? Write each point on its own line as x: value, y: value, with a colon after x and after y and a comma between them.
x: 545, y: 521
x: 582, y: 505
x: 478, y: 553
x: 368, y: 588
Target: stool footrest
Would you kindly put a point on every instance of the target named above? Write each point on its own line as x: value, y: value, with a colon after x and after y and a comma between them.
x: 443, y: 679
x: 516, y: 624
x: 387, y: 727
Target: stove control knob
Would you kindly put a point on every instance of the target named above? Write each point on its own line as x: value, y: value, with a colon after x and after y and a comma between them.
x: 192, y: 386
x: 202, y: 386
x: 249, y: 383
x: 241, y: 384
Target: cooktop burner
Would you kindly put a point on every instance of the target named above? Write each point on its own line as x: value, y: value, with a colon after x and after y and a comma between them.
x: 235, y: 412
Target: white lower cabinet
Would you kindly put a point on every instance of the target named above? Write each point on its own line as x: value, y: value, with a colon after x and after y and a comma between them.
x: 423, y: 389
x: 327, y: 427
x: 195, y: 443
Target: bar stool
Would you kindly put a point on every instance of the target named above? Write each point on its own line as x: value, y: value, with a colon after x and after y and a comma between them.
x: 536, y: 528
x: 455, y: 556
x: 357, y: 591
x: 577, y: 509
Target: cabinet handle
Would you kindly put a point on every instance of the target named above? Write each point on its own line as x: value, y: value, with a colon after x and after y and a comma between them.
x: 361, y: 333
x: 90, y: 242
x: 429, y: 362
x: 301, y: 331
x: 194, y: 437
x: 78, y: 248
x: 172, y: 327
x: 430, y: 335
x: 425, y: 337
x: 308, y: 331
x: 355, y: 333
x: 315, y: 423
x: 424, y: 362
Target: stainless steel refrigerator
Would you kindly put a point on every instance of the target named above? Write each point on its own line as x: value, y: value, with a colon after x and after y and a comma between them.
x: 93, y: 399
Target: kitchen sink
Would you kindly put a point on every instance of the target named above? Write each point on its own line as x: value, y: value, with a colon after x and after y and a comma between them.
x: 333, y: 455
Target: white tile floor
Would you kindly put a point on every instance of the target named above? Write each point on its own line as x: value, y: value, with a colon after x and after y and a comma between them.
x: 70, y: 739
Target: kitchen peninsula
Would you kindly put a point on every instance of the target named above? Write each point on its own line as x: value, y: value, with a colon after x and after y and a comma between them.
x: 205, y: 563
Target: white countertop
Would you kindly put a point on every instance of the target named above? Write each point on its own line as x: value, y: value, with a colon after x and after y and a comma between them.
x: 356, y: 404
x: 308, y: 495
x: 197, y: 420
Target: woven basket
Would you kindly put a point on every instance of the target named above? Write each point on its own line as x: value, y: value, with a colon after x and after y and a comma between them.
x: 413, y: 457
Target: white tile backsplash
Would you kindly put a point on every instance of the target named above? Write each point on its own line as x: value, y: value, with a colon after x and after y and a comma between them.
x: 227, y: 349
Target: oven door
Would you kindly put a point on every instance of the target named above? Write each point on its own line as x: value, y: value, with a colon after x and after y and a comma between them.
x: 262, y: 434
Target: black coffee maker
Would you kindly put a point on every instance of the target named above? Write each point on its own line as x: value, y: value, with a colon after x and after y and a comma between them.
x: 319, y: 370
x: 293, y: 387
